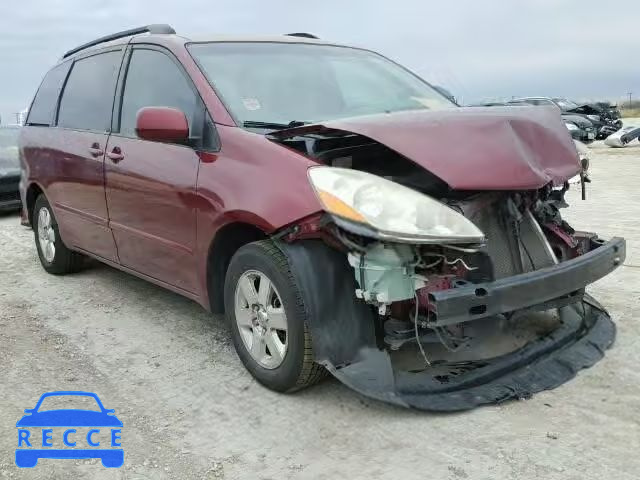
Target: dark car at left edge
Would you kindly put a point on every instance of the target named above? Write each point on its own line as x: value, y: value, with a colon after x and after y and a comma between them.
x: 9, y: 168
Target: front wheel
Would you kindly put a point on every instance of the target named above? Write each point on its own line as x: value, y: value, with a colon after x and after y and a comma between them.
x: 268, y: 320
x: 54, y: 255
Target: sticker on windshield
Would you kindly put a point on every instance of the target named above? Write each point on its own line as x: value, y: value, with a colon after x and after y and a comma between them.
x: 47, y: 431
x: 251, y: 104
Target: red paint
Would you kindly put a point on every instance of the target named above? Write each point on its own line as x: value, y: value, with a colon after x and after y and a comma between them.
x: 566, y: 238
x: 154, y: 208
x: 162, y: 124
x: 151, y: 194
x: 61, y: 162
x: 510, y: 148
x: 435, y: 283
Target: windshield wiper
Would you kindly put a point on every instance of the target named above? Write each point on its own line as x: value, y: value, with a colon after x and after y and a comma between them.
x: 273, y: 125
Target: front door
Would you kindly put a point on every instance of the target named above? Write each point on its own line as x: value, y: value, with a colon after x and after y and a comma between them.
x: 151, y: 186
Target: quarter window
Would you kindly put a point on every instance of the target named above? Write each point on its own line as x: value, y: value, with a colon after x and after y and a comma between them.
x: 44, y: 103
x: 87, y: 99
x: 154, y: 80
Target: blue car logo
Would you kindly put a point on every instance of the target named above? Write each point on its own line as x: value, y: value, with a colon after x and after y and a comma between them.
x: 43, y: 433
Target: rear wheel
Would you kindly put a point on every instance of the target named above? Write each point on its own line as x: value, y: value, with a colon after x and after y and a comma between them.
x: 267, y: 319
x: 54, y: 256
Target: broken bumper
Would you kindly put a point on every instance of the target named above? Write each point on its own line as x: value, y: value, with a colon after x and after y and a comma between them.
x: 566, y: 280
x: 345, y: 332
x: 544, y: 364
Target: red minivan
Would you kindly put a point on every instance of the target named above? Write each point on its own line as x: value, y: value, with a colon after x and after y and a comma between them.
x: 342, y: 213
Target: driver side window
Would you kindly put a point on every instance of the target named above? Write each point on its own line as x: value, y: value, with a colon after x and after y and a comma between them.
x: 154, y: 80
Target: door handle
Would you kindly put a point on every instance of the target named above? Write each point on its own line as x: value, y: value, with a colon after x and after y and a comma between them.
x: 95, y: 150
x: 115, y: 155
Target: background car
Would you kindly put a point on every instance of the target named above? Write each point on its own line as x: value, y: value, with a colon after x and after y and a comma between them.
x: 623, y: 137
x: 608, y: 109
x: 580, y: 128
x: 602, y: 120
x: 9, y: 168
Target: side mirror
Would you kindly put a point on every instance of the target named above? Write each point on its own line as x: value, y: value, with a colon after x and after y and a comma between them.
x: 162, y: 124
x: 28, y: 410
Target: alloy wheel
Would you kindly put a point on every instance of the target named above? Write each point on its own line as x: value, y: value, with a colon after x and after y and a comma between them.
x: 46, y: 235
x: 261, y: 319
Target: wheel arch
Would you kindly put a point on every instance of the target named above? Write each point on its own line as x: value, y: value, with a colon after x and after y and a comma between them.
x: 226, y: 242
x: 31, y: 194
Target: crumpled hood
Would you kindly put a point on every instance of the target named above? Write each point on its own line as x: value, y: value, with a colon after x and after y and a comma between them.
x: 510, y: 148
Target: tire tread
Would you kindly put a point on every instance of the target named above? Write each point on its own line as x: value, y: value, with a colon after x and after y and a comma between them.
x: 65, y: 260
x: 311, y: 372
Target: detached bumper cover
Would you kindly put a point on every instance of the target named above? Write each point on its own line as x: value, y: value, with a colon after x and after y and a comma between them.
x: 540, y: 365
x: 529, y: 289
x: 344, y: 335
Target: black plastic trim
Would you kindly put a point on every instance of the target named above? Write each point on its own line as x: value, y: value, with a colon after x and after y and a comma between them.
x: 528, y: 289
x: 153, y: 29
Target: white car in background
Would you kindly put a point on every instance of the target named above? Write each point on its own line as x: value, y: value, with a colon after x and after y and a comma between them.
x: 623, y: 137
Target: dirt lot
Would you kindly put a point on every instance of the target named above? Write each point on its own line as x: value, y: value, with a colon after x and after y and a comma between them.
x: 190, y: 410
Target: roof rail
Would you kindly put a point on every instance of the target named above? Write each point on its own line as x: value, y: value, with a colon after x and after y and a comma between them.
x: 302, y: 34
x: 156, y: 29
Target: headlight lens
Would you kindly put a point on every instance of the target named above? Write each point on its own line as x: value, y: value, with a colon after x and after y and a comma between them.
x: 595, y: 118
x: 392, y: 210
x: 571, y: 126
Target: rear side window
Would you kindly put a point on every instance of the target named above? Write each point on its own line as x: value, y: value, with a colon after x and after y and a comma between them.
x: 44, y: 103
x: 87, y: 99
x: 154, y: 80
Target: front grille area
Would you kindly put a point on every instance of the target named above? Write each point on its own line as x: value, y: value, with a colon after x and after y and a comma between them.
x: 509, y: 255
x: 500, y: 243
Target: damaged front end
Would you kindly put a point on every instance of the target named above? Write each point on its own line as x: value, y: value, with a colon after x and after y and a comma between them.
x: 474, y: 298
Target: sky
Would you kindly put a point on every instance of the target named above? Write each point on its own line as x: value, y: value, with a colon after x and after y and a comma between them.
x: 479, y: 50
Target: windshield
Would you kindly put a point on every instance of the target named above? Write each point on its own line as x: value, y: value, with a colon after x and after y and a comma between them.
x: 285, y: 82
x: 565, y: 104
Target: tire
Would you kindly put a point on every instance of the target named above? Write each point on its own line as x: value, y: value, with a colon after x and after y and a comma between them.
x: 63, y: 260
x: 253, y: 263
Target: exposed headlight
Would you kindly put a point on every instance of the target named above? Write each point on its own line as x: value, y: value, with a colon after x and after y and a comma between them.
x: 595, y: 118
x: 393, y: 211
x: 571, y: 126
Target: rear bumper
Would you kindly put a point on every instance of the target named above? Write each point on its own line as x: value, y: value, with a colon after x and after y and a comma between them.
x: 565, y: 281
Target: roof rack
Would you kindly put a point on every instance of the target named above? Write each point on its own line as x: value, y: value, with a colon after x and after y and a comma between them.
x: 302, y: 34
x: 155, y: 29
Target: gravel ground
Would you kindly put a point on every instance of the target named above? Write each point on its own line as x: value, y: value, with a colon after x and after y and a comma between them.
x: 190, y: 410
